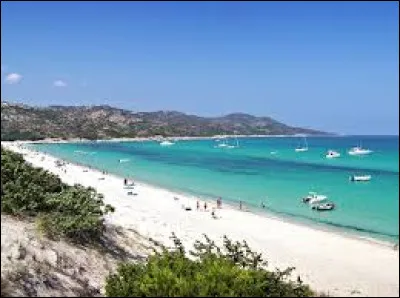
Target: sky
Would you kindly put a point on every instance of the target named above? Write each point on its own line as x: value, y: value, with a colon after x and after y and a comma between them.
x: 332, y: 66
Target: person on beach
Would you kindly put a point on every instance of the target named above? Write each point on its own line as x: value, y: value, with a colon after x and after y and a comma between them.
x: 198, y: 205
x: 240, y: 205
x: 213, y: 215
x: 205, y: 206
x: 125, y: 181
x: 219, y: 203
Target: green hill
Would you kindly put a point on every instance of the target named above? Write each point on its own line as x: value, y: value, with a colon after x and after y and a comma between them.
x: 21, y: 122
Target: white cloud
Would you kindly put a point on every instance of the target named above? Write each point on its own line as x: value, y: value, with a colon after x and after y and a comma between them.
x: 13, y: 78
x: 59, y: 83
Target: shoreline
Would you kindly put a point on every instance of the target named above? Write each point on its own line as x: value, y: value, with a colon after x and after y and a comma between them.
x: 156, y: 138
x: 385, y: 240
x: 283, y: 243
x: 349, y: 232
x: 267, y: 213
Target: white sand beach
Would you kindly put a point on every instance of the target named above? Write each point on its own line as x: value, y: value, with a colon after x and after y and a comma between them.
x: 329, y: 262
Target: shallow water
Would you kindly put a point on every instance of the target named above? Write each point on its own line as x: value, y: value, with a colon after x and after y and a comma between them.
x: 252, y: 174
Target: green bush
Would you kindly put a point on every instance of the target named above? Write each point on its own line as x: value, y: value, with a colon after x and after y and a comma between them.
x: 77, y: 213
x: 23, y: 187
x: 234, y: 271
x: 74, y: 212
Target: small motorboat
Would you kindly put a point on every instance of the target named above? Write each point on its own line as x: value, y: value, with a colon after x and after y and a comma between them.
x: 323, y: 207
x: 124, y: 160
x: 301, y: 149
x: 222, y: 145
x: 313, y: 197
x: 332, y: 154
x: 166, y: 143
x: 360, y: 178
x: 358, y: 150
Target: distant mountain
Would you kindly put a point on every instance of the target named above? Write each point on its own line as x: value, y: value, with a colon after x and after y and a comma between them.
x: 102, y: 122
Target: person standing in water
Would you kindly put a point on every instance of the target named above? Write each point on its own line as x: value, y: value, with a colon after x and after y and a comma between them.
x: 240, y: 205
x: 219, y: 202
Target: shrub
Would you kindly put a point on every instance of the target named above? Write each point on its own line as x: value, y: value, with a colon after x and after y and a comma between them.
x: 23, y: 187
x: 234, y: 271
x: 74, y: 212
x: 77, y: 213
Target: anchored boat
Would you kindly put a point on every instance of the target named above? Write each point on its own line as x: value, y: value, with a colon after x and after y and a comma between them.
x: 313, y: 197
x: 360, y: 178
x: 324, y: 207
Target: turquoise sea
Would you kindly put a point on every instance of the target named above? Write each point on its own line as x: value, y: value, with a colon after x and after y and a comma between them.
x: 253, y: 174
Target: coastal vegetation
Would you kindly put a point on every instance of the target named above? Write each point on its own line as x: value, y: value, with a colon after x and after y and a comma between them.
x: 76, y: 213
x: 21, y: 122
x: 72, y: 212
x: 209, y: 271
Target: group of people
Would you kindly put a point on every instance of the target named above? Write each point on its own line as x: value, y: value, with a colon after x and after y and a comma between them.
x: 219, y: 204
x: 198, y: 205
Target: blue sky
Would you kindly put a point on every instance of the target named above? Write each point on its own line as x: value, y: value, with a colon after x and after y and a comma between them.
x: 328, y: 65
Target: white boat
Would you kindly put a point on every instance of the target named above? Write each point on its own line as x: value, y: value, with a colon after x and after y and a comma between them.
x: 313, y: 197
x: 222, y: 143
x: 302, y: 148
x: 124, y: 160
x: 360, y: 178
x: 332, y: 154
x: 234, y: 146
x: 358, y: 150
x: 166, y: 143
x: 324, y: 207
